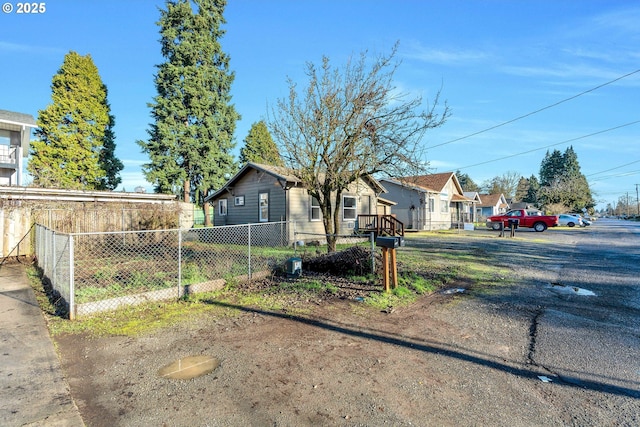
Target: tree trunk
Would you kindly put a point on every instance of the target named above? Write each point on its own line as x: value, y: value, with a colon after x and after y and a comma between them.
x: 206, y: 208
x: 327, y: 219
x: 187, y: 191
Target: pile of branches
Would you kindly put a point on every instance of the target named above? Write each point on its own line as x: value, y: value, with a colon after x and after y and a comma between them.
x: 352, y: 261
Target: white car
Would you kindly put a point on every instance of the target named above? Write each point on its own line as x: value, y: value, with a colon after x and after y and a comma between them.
x: 569, y: 220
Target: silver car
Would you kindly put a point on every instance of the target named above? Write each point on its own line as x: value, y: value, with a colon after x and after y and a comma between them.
x: 569, y: 220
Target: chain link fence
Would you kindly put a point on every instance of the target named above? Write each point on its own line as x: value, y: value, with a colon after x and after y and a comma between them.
x: 94, y: 272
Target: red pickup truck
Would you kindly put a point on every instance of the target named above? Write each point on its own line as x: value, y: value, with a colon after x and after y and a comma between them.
x: 528, y: 218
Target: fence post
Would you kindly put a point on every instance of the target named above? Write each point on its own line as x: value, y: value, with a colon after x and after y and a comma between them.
x: 249, y: 246
x: 373, y: 253
x: 179, y: 263
x: 72, y: 290
x: 53, y: 260
x: 295, y: 239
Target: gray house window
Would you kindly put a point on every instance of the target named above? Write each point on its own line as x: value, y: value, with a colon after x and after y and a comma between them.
x: 349, y: 209
x: 316, y: 214
x: 264, y: 207
x: 432, y: 204
x: 222, y: 207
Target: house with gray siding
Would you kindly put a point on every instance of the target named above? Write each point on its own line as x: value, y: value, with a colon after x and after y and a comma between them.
x: 266, y: 193
x: 15, y: 134
x: 428, y: 202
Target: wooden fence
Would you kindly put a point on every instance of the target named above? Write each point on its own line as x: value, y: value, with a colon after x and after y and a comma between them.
x: 17, y: 219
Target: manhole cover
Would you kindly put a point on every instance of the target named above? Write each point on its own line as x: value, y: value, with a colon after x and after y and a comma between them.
x: 189, y: 367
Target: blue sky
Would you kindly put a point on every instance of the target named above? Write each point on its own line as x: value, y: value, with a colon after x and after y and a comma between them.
x: 494, y: 61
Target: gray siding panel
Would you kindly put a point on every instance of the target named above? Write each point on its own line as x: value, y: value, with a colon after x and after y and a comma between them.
x: 250, y: 186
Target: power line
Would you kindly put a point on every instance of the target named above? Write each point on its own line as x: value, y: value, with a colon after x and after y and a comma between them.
x: 537, y: 111
x: 552, y: 145
x: 618, y: 175
x: 614, y: 168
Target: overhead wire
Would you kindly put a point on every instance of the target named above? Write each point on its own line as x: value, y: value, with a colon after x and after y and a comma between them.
x: 552, y: 145
x: 618, y: 175
x: 538, y: 110
x: 613, y: 168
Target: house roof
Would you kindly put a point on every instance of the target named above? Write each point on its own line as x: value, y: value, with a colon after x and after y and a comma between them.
x: 436, y: 181
x: 492, y: 200
x: 472, y: 195
x: 278, y: 172
x: 15, y: 121
x: 460, y: 198
x: 386, y: 202
x: 284, y: 175
x: 401, y: 182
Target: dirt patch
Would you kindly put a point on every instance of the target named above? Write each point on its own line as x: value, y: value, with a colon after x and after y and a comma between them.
x: 342, y: 363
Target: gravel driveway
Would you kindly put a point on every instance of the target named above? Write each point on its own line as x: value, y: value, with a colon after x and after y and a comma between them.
x: 526, y: 353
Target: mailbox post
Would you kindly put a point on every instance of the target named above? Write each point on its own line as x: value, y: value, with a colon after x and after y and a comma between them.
x: 389, y: 261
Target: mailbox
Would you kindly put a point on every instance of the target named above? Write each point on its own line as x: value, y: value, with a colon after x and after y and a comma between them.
x: 294, y: 267
x: 388, y: 242
x: 513, y: 223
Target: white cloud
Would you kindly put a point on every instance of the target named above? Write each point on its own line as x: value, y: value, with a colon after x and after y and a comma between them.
x: 23, y: 48
x: 444, y: 57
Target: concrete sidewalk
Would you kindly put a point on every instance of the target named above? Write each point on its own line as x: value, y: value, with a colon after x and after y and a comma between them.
x: 33, y: 391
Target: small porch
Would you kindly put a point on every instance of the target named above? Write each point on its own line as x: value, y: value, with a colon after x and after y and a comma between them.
x: 381, y: 225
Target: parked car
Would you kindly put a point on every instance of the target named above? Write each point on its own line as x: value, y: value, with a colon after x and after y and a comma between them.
x: 586, y: 220
x: 569, y: 220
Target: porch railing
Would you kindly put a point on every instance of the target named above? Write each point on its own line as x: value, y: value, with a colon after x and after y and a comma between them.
x: 380, y: 225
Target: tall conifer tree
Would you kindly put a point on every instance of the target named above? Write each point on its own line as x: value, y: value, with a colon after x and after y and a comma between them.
x: 562, y: 183
x: 108, y: 161
x: 191, y: 140
x: 259, y: 146
x: 74, y: 146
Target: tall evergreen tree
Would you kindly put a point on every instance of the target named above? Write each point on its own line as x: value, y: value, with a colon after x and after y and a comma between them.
x: 562, y: 182
x: 551, y: 167
x: 466, y: 182
x: 532, y: 191
x: 191, y: 140
x: 259, y: 146
x: 74, y: 140
x: 108, y: 161
x: 521, y: 189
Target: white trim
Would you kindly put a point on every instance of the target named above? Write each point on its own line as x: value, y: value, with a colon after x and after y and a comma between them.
x: 354, y: 208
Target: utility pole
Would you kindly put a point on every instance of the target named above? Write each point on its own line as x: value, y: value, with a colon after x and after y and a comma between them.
x: 627, y: 204
x: 637, y: 200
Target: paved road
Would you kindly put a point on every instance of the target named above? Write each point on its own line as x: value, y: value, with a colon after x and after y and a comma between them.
x: 572, y: 316
x: 582, y: 288
x: 33, y: 391
x: 594, y: 340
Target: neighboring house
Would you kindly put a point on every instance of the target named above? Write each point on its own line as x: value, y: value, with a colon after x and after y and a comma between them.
x: 265, y: 193
x: 492, y: 204
x: 15, y: 133
x: 473, y: 207
x: 429, y: 202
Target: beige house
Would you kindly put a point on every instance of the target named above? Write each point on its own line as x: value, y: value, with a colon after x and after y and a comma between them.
x: 429, y: 202
x: 265, y: 193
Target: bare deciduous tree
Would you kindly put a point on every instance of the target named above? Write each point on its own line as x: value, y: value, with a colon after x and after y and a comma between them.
x: 350, y: 123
